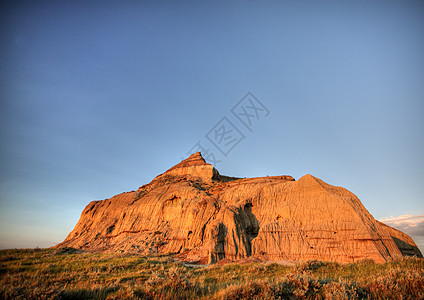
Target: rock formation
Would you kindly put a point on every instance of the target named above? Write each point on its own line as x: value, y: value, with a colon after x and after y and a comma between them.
x: 204, y: 217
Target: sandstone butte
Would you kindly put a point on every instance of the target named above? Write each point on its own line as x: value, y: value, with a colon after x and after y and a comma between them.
x: 203, y: 217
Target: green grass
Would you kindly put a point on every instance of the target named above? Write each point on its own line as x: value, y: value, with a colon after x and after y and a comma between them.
x: 71, y: 274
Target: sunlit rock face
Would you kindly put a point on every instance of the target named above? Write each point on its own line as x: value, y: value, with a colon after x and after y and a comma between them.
x: 204, y: 217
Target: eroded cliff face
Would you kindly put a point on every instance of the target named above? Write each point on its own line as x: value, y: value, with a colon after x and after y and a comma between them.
x: 204, y: 217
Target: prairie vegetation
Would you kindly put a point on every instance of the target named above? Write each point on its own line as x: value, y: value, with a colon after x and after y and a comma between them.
x: 72, y: 274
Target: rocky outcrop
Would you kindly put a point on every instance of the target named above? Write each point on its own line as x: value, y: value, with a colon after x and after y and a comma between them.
x: 204, y: 217
x: 194, y: 167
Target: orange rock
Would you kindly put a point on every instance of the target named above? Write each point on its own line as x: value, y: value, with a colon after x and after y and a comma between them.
x: 205, y: 217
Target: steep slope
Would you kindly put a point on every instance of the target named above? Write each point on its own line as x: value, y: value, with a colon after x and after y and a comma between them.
x: 205, y: 217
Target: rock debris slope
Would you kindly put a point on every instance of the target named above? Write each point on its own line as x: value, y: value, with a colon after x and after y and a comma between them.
x: 205, y: 217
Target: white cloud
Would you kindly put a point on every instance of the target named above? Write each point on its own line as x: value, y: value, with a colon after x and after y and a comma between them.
x: 404, y: 221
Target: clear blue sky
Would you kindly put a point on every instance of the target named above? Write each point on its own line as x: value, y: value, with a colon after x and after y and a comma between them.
x: 98, y: 99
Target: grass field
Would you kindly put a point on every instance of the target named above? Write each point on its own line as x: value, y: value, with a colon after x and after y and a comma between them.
x: 70, y: 274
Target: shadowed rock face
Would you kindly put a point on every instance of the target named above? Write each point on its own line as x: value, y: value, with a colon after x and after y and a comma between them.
x: 205, y: 217
x: 404, y: 242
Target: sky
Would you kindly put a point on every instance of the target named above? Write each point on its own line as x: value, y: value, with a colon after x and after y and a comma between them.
x: 99, y: 98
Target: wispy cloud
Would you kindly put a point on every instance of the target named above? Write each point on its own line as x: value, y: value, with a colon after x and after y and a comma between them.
x: 405, y: 221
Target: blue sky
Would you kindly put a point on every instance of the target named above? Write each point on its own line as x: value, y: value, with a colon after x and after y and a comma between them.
x: 98, y: 99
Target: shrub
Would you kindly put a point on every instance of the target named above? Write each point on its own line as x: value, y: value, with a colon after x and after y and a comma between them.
x: 250, y: 290
x: 398, y: 282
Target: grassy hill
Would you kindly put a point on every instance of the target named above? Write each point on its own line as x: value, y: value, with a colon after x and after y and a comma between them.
x: 71, y: 274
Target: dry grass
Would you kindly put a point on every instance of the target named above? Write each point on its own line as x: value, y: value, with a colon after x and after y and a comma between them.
x: 70, y: 274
